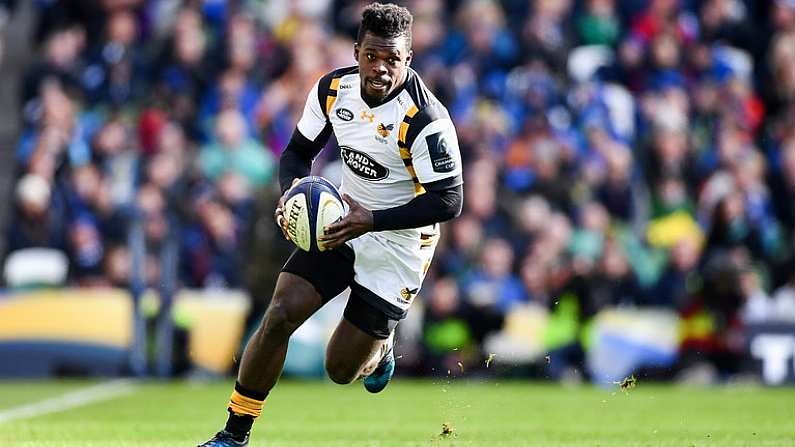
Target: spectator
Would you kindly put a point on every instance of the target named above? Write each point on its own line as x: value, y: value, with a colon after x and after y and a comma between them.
x: 481, y: 40
x: 617, y: 192
x: 599, y: 24
x: 460, y: 254
x: 235, y: 152
x: 183, y: 69
x: 446, y: 329
x: 211, y: 248
x: 546, y: 32
x: 613, y: 283
x: 113, y: 73
x: 676, y: 283
x: 38, y: 219
x: 493, y: 286
x: 534, y: 274
x: 731, y: 228
x: 86, y: 252
x: 60, y: 60
x: 88, y: 196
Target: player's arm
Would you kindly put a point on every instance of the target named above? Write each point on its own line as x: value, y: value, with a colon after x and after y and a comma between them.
x: 296, y: 160
x: 436, y: 161
x: 441, y: 201
x: 309, y: 137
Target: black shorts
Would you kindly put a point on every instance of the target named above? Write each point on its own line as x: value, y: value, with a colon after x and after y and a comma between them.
x: 331, y: 272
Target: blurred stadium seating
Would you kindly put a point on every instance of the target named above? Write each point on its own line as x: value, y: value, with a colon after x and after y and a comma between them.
x: 629, y: 179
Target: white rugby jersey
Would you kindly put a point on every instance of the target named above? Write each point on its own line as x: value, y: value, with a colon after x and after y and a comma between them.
x: 389, y: 151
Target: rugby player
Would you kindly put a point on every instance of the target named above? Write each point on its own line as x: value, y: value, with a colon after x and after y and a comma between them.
x: 402, y: 176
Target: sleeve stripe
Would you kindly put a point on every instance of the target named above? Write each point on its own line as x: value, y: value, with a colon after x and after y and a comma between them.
x: 332, y: 94
x: 330, y: 103
x: 328, y: 85
x: 404, y: 128
x: 434, y: 111
x: 418, y: 188
x: 406, y: 156
x: 405, y: 152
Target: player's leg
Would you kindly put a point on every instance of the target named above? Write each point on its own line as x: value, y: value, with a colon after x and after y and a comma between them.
x: 350, y: 353
x: 361, y: 341
x: 307, y: 281
x: 388, y: 276
x: 294, y: 300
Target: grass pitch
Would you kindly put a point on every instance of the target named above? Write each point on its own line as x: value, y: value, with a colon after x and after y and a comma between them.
x: 413, y: 413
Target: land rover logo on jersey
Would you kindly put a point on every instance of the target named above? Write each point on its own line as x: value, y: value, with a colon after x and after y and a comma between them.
x: 362, y: 164
x: 344, y: 114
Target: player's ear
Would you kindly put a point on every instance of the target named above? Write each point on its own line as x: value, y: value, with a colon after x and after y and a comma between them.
x: 408, y: 58
x: 356, y: 51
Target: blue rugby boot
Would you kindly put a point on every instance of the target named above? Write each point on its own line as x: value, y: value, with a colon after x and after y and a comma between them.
x: 226, y: 439
x: 380, y: 377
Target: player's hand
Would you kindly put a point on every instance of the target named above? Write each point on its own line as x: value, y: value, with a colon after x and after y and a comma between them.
x: 358, y: 221
x: 279, y: 213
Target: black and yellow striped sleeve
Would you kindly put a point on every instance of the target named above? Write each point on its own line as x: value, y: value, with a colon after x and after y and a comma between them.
x: 429, y: 146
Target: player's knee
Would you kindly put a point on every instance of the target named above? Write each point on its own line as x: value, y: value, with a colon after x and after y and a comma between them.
x: 278, y: 323
x: 339, y: 372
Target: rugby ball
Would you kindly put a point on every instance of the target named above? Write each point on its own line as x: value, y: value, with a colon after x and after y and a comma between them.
x: 309, y: 206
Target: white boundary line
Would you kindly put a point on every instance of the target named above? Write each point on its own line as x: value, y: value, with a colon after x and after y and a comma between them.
x: 73, y: 399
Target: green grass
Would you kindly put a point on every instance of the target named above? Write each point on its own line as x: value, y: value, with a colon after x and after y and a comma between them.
x: 409, y: 413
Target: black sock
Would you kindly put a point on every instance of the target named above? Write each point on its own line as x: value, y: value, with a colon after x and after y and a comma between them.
x: 239, y: 425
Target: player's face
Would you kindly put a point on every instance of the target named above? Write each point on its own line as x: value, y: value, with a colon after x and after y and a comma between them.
x: 383, y: 63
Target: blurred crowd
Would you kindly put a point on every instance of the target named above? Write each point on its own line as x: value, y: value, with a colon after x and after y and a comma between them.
x: 634, y: 153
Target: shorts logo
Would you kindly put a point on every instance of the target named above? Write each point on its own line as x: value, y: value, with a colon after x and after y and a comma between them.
x: 441, y: 157
x: 408, y: 294
x: 362, y: 164
x: 344, y: 114
x: 384, y: 130
x: 367, y: 116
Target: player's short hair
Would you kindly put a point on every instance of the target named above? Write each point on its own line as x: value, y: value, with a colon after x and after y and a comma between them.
x: 386, y: 20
